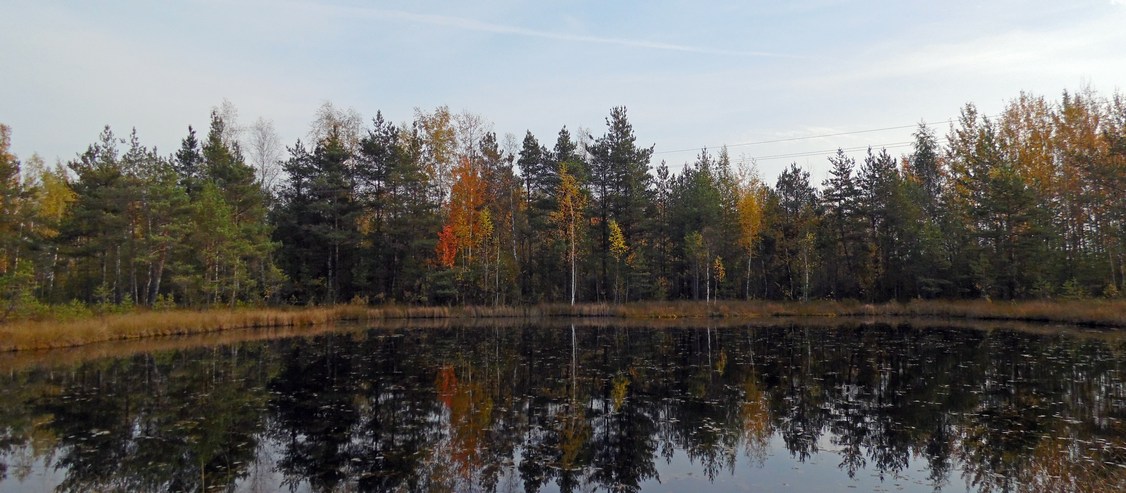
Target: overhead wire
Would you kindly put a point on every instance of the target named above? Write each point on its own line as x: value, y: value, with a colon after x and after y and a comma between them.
x: 808, y: 137
x: 891, y: 145
x: 819, y: 136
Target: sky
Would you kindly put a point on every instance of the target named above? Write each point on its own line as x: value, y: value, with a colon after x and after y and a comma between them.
x: 692, y: 74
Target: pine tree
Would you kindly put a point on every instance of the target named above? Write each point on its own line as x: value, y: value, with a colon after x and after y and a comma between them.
x: 16, y: 271
x: 888, y: 243
x: 620, y: 178
x: 541, y: 181
x: 794, y: 215
x: 249, y: 269
x: 96, y: 232
x: 842, y: 248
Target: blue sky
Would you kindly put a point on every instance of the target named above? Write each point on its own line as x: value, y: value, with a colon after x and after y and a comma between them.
x: 691, y: 73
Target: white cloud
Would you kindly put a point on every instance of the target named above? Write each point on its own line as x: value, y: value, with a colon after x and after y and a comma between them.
x: 1091, y: 49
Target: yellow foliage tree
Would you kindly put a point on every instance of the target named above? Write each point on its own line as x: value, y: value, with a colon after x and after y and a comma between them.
x: 568, y: 218
x: 751, y: 206
x: 618, y: 249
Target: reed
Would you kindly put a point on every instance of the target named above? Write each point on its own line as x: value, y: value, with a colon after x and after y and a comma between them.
x: 69, y: 332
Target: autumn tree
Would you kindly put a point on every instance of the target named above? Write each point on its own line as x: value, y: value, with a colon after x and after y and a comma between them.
x: 438, y: 153
x: 569, y: 220
x: 751, y: 207
x: 618, y: 249
x: 1006, y: 255
x: 51, y: 196
x: 1081, y: 206
x: 468, y: 226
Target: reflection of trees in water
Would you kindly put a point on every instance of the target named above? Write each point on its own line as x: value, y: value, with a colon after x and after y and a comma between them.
x: 497, y: 410
x: 154, y: 423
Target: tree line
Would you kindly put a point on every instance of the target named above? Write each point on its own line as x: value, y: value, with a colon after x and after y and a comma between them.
x: 439, y: 210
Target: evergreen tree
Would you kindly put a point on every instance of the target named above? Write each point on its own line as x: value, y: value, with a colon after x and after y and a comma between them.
x: 16, y: 271
x: 890, y: 245
x: 397, y: 214
x: 540, y: 178
x: 842, y: 243
x: 317, y: 222
x: 96, y: 232
x: 926, y: 218
x: 925, y: 167
x: 793, y: 213
x: 157, y: 218
x: 249, y: 271
x: 620, y: 178
x: 697, y: 212
x: 188, y: 162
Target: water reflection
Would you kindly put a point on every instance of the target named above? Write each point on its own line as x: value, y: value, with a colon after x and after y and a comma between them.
x: 579, y: 409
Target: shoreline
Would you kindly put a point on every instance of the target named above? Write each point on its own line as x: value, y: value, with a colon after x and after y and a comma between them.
x: 33, y: 335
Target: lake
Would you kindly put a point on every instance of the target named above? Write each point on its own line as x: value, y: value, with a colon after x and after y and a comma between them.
x: 751, y: 407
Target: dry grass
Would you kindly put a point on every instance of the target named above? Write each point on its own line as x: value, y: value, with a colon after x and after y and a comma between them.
x: 1091, y: 313
x: 48, y: 334
x: 30, y: 335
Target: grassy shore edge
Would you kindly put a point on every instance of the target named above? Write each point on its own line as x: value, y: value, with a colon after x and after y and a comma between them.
x: 49, y: 334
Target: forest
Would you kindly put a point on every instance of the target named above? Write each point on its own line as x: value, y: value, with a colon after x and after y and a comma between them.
x: 1027, y: 204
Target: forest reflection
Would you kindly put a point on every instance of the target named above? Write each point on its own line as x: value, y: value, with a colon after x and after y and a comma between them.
x: 576, y: 409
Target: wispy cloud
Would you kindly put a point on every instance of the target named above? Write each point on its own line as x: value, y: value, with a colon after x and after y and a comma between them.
x: 488, y: 27
x: 1087, y: 49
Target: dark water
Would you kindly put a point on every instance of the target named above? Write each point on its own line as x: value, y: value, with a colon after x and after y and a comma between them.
x: 864, y: 408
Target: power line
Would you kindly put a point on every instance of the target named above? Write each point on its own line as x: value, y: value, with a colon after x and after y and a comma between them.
x: 794, y: 139
x: 892, y: 145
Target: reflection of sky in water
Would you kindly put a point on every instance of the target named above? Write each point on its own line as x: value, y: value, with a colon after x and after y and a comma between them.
x: 1011, y: 403
x: 778, y: 472
x: 36, y: 476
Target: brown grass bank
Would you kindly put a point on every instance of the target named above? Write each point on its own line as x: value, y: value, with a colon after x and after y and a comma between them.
x: 49, y: 334
x: 1090, y: 313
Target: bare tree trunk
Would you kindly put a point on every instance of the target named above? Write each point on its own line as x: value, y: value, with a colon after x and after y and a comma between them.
x: 117, y: 274
x: 156, y: 275
x: 234, y: 282
x: 765, y: 281
x: 708, y: 282
x: 805, y: 285
x: 747, y: 287
x: 573, y: 277
x: 496, y: 275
